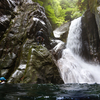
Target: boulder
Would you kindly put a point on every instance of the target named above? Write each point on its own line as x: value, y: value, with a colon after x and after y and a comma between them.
x: 36, y: 66
x: 62, y: 31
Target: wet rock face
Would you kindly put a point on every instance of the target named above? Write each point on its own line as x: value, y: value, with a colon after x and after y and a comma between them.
x: 5, y: 16
x: 98, y: 2
x: 21, y: 60
x: 36, y: 66
x: 57, y: 50
x: 90, y: 37
x: 9, y: 10
x: 7, y: 13
x: 39, y: 21
x: 97, y: 17
x: 62, y: 31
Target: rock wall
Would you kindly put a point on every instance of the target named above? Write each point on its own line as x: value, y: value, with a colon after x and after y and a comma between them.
x: 21, y: 59
x: 91, y: 32
x: 97, y: 15
x: 90, y: 37
x: 35, y: 66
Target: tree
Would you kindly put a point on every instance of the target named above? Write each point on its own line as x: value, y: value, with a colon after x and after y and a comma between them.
x: 60, y: 11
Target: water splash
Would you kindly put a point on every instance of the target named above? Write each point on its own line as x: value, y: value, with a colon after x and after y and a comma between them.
x: 74, y: 41
x: 73, y: 68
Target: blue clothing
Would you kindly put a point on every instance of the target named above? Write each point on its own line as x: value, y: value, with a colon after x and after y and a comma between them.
x: 2, y: 78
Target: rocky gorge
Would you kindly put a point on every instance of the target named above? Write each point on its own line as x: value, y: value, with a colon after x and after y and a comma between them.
x: 90, y: 32
x: 22, y: 60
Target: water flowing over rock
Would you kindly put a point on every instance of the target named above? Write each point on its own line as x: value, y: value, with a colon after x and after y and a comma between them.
x: 80, y: 60
x: 60, y: 35
x: 21, y: 59
x: 72, y: 65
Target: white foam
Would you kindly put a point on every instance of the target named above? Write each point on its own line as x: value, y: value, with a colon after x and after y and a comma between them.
x: 73, y: 68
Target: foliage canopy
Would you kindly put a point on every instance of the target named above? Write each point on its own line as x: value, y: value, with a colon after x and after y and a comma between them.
x: 60, y: 11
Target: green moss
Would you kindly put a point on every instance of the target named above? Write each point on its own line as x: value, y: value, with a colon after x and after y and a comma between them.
x: 92, y: 4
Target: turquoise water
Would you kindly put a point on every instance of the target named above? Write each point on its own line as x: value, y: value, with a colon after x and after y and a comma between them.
x: 49, y: 92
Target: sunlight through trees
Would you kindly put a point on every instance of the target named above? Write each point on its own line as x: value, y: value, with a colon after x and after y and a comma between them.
x: 61, y: 11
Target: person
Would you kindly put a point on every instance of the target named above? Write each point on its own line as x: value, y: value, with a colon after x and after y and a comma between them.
x: 39, y: 37
x: 2, y: 80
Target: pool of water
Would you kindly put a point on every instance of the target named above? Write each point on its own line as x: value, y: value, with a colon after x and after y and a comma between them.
x: 49, y: 92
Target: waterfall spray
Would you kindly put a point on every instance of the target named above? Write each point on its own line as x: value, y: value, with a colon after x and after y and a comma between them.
x: 72, y: 67
x: 74, y: 41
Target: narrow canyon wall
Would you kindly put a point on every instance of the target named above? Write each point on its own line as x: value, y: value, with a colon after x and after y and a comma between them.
x: 21, y: 59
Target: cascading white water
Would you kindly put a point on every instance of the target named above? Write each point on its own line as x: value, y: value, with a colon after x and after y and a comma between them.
x: 74, y: 42
x: 72, y: 67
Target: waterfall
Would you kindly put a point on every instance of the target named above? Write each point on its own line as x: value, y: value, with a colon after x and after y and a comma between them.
x: 72, y: 67
x: 74, y: 41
